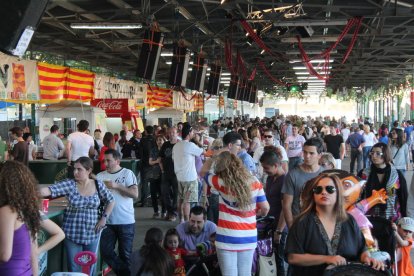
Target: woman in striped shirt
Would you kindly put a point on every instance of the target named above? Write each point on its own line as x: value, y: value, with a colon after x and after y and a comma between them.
x: 241, y: 198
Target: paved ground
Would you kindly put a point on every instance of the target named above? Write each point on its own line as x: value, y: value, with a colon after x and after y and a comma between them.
x: 144, y: 219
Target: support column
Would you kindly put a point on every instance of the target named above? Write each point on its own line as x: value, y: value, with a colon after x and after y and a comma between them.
x: 412, y: 104
x: 33, y: 121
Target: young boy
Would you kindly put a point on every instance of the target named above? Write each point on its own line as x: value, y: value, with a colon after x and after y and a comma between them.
x: 404, y: 236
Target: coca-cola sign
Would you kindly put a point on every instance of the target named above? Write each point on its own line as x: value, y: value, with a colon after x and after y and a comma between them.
x: 113, y: 105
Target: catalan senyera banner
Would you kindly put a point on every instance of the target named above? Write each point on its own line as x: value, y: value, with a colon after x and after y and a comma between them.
x: 158, y: 97
x: 18, y: 80
x: 58, y: 83
x: 114, y: 88
x: 198, y: 102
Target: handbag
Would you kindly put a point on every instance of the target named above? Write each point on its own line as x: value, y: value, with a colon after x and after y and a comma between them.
x: 267, y: 265
x: 101, y: 207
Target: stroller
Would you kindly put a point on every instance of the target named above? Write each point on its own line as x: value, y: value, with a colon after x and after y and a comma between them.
x: 208, y: 264
x: 264, y: 262
x: 383, y: 232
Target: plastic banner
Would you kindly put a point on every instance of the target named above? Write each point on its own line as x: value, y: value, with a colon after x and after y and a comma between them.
x: 113, y: 88
x: 181, y: 103
x: 18, y: 80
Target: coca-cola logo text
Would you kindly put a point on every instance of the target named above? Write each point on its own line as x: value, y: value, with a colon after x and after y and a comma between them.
x: 112, y: 105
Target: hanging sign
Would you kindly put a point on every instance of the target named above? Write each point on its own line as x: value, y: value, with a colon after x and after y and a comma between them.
x: 18, y: 80
x: 114, y: 88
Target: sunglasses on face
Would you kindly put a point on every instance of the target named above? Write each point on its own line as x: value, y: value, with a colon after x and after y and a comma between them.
x: 268, y: 136
x: 319, y: 189
x: 376, y: 153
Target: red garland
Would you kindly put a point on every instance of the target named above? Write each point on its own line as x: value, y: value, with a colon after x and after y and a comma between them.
x: 261, y: 64
x: 326, y: 54
x: 246, y: 26
x: 184, y: 95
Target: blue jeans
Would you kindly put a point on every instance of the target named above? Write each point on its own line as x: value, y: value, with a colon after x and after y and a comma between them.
x: 73, y: 248
x: 124, y: 235
x: 365, y: 156
x: 279, y: 250
x: 213, y: 208
x: 235, y: 263
x: 294, y: 162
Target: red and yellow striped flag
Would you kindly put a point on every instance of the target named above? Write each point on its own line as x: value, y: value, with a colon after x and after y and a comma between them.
x: 79, y: 85
x: 52, y: 82
x: 198, y: 102
x: 58, y: 83
x: 159, y: 97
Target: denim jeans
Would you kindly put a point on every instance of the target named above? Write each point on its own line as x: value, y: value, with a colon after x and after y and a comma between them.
x: 355, y: 155
x: 294, y: 162
x: 235, y: 263
x: 155, y: 188
x: 365, y: 156
x: 279, y: 250
x: 169, y: 193
x: 144, y: 184
x: 124, y: 235
x: 73, y: 248
x: 213, y: 208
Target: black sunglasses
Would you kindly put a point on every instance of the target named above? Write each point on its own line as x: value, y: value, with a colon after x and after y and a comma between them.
x: 267, y: 136
x: 329, y: 189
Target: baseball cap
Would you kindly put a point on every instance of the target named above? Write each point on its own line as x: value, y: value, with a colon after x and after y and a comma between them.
x: 406, y: 223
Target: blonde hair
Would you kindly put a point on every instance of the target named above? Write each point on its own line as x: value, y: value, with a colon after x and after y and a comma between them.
x: 328, y: 157
x: 235, y: 177
x: 308, y: 201
x: 254, y: 132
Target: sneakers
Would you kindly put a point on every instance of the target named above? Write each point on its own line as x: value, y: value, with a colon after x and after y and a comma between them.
x: 172, y: 218
x: 163, y: 215
x: 156, y: 215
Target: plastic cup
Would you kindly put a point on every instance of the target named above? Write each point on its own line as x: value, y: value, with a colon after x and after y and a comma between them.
x: 45, y: 205
x: 107, y: 182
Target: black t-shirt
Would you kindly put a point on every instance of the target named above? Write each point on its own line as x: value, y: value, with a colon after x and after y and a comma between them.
x: 333, y: 143
x: 166, y: 157
x: 305, y: 238
x: 274, y: 195
x: 20, y: 152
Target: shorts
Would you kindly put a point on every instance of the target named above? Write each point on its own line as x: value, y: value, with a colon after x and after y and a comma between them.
x: 188, y: 191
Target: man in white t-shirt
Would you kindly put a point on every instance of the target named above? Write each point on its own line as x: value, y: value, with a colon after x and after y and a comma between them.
x: 79, y: 144
x: 121, y: 223
x: 294, y: 147
x: 183, y: 154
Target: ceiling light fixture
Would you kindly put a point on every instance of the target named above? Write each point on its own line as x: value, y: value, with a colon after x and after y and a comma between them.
x: 106, y: 26
x: 304, y: 68
x: 311, y: 61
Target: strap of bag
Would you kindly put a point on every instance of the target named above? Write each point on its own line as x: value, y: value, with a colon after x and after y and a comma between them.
x: 396, y: 153
x: 98, y: 190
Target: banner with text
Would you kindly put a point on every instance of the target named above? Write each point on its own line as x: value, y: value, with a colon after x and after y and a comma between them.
x: 18, y: 80
x: 180, y: 103
x: 113, y: 88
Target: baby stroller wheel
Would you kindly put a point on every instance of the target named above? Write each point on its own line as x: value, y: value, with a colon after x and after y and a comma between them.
x: 353, y: 269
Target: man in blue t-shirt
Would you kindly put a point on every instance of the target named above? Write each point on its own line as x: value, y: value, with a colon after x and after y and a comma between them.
x: 407, y: 132
x: 356, y: 142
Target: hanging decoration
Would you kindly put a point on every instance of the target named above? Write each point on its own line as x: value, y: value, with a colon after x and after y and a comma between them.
x: 246, y: 26
x: 356, y: 21
x: 266, y: 71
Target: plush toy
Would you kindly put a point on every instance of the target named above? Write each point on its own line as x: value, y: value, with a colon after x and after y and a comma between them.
x: 352, y: 190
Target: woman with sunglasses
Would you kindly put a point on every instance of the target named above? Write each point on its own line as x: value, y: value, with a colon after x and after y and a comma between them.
x: 383, y: 174
x: 399, y: 150
x: 324, y: 234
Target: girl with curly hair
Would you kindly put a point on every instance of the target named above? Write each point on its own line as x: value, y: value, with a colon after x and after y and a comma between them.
x: 19, y: 220
x: 240, y: 195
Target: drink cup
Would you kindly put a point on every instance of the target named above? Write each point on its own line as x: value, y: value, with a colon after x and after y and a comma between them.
x: 45, y: 205
x: 107, y: 182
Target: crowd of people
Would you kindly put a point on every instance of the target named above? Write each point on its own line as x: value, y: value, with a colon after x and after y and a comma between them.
x: 214, y: 180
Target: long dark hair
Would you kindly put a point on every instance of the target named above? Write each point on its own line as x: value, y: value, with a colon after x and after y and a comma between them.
x: 157, y: 260
x: 18, y: 189
x: 400, y: 137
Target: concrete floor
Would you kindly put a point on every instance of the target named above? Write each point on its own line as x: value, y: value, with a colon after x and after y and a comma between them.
x: 144, y: 219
